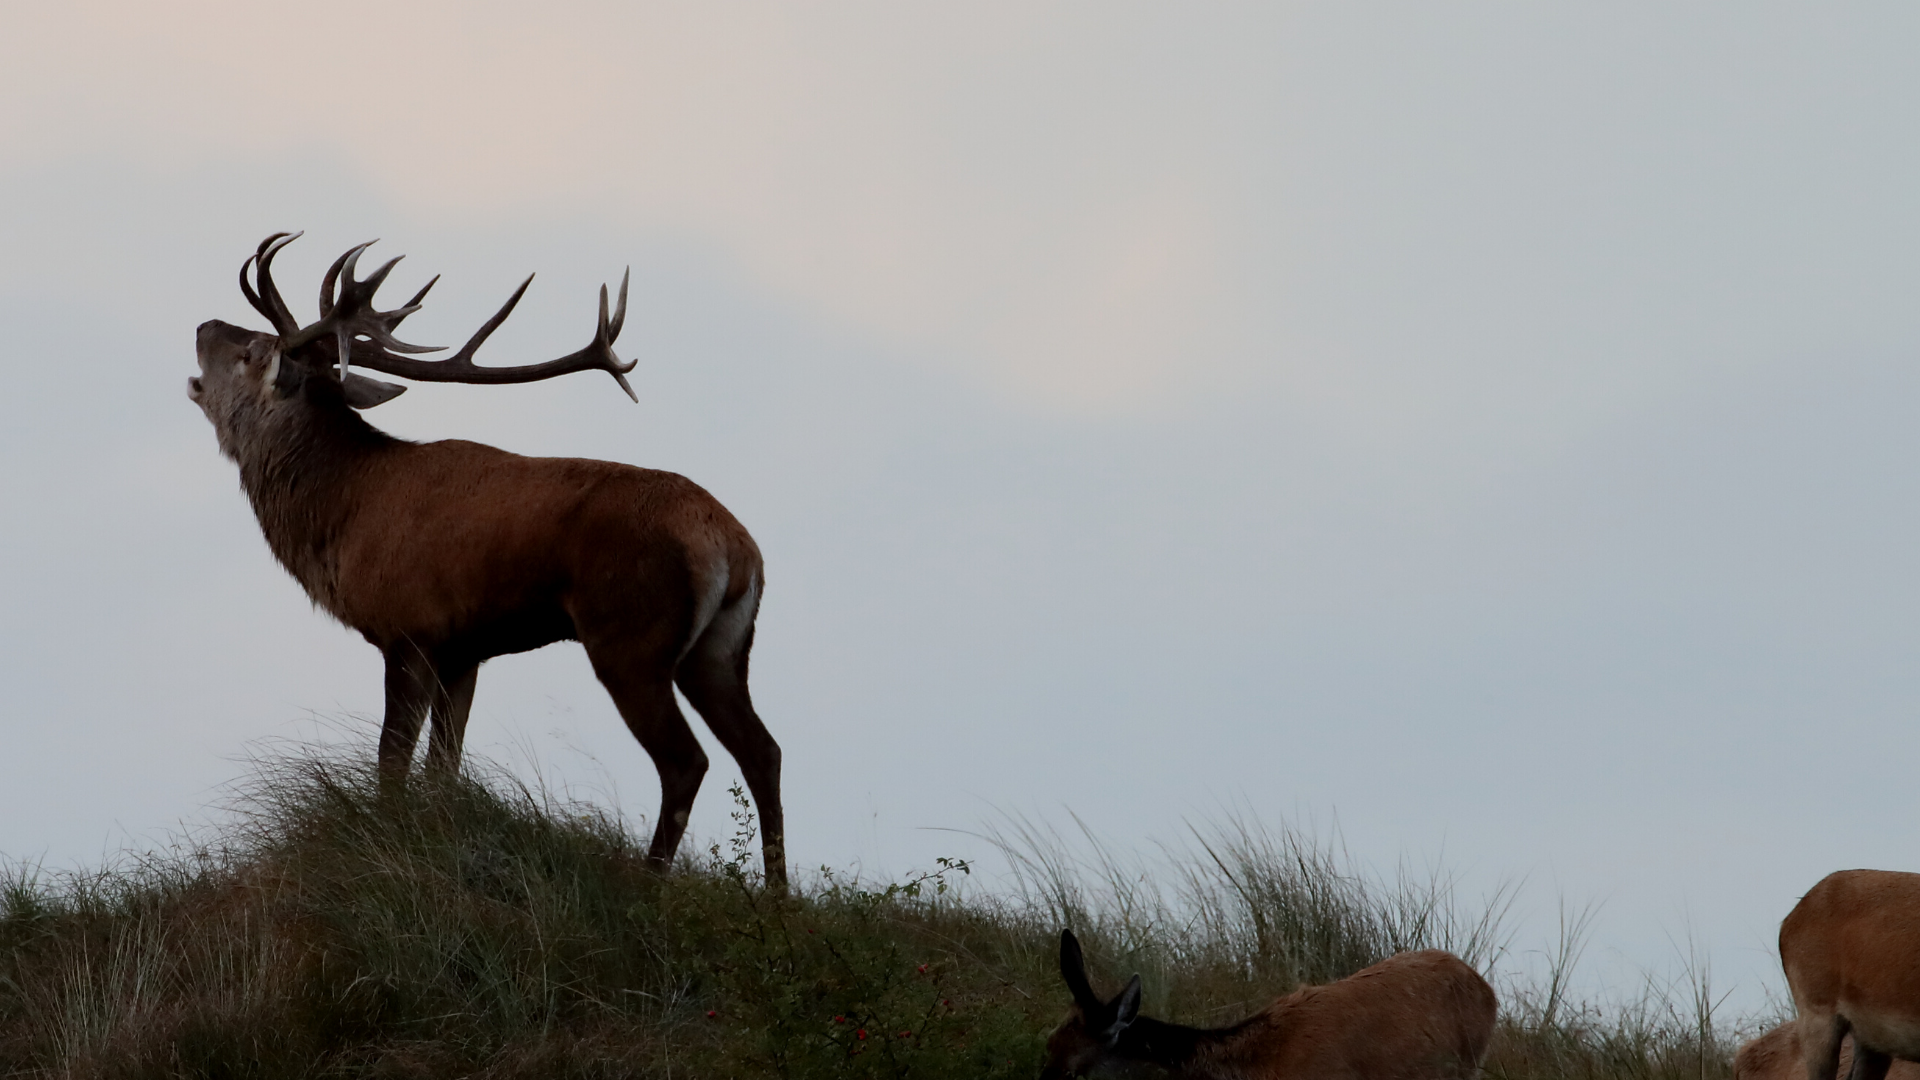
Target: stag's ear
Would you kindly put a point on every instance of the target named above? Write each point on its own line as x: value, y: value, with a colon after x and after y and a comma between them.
x: 365, y: 393
x: 283, y: 375
x: 1073, y: 971
x: 1126, y: 1008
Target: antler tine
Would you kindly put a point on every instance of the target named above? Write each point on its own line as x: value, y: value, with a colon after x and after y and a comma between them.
x: 480, y: 336
x: 333, y: 275
x: 246, y: 289
x: 620, y: 313
x: 412, y: 305
x: 603, y: 338
x: 379, y: 277
x: 267, y: 300
x: 268, y: 290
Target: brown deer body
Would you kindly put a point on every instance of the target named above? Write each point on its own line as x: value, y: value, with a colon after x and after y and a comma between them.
x: 1416, y: 1016
x: 446, y: 554
x: 1777, y: 1055
x: 1851, y: 950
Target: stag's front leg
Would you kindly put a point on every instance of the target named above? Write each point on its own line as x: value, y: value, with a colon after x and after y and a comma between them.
x: 452, y: 701
x: 410, y: 685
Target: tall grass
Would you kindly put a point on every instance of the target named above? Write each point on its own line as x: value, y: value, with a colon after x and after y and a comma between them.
x: 480, y: 927
x: 1242, y: 909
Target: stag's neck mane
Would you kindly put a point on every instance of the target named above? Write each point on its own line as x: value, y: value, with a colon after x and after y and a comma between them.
x: 299, y: 465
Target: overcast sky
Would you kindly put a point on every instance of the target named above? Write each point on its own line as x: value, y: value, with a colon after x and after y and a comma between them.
x: 1489, y: 427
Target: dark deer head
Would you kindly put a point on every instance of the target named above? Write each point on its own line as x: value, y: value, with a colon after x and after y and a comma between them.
x: 1092, y: 1031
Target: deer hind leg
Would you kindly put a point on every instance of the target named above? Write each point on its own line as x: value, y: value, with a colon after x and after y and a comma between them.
x: 1869, y: 1064
x: 410, y: 689
x: 1821, y: 1032
x: 713, y: 675
x: 644, y: 695
x: 452, y: 701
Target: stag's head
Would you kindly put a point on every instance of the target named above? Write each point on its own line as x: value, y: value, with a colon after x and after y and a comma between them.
x: 249, y: 380
x: 1086, y: 1042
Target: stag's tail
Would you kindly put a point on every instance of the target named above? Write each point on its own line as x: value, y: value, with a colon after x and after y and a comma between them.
x: 725, y: 609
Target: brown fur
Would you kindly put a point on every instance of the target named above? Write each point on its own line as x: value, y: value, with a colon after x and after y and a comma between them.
x: 1416, y: 1016
x: 1851, y: 949
x: 1777, y: 1055
x: 446, y: 554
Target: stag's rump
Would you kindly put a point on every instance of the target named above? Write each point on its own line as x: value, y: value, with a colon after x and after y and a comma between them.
x: 462, y: 546
x: 1851, y: 947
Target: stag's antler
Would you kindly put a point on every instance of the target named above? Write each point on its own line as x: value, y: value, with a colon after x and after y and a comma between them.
x: 365, y: 336
x: 267, y: 300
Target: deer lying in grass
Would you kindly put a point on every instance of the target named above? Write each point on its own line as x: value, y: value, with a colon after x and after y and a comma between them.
x: 1777, y: 1055
x: 1416, y: 1016
x: 445, y: 554
x: 1851, y: 949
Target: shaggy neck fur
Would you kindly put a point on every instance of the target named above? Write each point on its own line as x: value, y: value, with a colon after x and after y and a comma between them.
x: 299, y: 460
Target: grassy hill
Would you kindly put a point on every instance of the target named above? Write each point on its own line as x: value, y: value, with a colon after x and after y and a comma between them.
x: 480, y: 928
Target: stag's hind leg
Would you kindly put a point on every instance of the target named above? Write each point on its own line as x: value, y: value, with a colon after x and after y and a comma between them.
x: 713, y: 675
x: 1821, y: 1032
x: 1869, y: 1064
x: 643, y: 692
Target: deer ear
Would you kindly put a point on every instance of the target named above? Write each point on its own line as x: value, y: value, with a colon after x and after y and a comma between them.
x: 1073, y: 971
x: 284, y: 376
x: 1126, y: 1008
x: 365, y: 393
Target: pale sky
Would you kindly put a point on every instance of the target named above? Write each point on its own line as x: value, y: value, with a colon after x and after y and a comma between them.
x: 1488, y: 427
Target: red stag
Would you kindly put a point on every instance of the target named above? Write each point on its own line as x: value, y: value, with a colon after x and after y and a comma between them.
x: 1415, y: 1016
x: 1851, y: 949
x: 446, y: 554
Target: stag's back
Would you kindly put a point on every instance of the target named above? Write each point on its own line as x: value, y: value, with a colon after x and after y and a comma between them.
x: 455, y: 534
